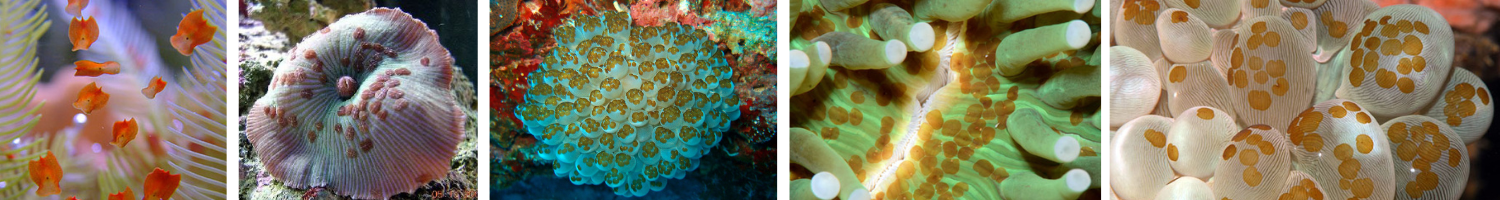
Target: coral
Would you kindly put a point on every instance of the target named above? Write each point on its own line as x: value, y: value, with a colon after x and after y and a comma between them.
x: 369, y: 100
x: 1414, y: 138
x: 503, y: 14
x: 945, y: 123
x: 517, y: 53
x: 628, y: 106
x: 1358, y: 90
x: 820, y: 158
x: 299, y: 18
x: 650, y: 13
x: 960, y: 10
x: 743, y: 32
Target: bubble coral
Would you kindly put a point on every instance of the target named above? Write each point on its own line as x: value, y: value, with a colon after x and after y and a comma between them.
x: 628, y: 106
x: 1002, y: 104
x: 1328, y: 73
x: 1427, y: 156
x: 362, y: 107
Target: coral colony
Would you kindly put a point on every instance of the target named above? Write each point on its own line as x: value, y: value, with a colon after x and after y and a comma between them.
x: 362, y: 107
x: 1321, y: 99
x: 628, y: 106
x: 181, y: 112
x: 973, y: 99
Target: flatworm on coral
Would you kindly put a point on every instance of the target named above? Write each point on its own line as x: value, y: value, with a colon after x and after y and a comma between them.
x: 125, y: 131
x: 46, y: 173
x: 83, y: 33
x: 91, y: 98
x: 192, y: 31
x: 153, y: 87
x: 160, y: 184
x: 91, y: 68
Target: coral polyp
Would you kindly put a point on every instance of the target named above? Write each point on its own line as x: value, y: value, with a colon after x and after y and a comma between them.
x: 629, y: 106
x: 946, y: 99
x: 1367, y: 101
x: 362, y: 107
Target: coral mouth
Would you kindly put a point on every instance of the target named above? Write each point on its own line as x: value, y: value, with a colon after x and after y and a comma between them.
x: 347, y: 87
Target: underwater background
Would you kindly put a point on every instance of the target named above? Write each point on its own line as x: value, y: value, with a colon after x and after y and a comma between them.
x: 176, y: 122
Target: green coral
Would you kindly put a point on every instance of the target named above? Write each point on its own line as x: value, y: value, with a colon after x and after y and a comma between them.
x: 954, y: 121
x: 744, y: 32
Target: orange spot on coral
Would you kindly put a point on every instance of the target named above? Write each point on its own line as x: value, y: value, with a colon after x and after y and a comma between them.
x: 1338, y: 112
x: 46, y: 173
x: 1172, y: 152
x: 1484, y: 95
x: 1413, y: 45
x: 1259, y: 100
x: 125, y: 131
x: 1406, y: 85
x: 1205, y: 113
x: 1252, y: 176
x: 83, y: 33
x: 838, y: 115
x: 858, y: 97
x: 1229, y: 151
x: 950, y: 166
x: 1179, y: 17
x: 1299, y: 20
x: 1248, y: 157
x: 1385, y: 78
x: 1365, y: 144
x: 91, y: 68
x: 1177, y: 74
x: 192, y: 31
x: 91, y: 98
x: 155, y: 86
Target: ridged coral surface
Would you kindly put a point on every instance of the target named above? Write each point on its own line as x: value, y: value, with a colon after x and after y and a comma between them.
x: 628, y: 106
x: 362, y: 107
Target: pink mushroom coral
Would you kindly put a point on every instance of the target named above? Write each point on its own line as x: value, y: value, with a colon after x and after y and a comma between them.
x: 395, y: 131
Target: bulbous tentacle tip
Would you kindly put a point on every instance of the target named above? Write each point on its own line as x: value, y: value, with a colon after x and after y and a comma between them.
x: 1078, y: 180
x: 1066, y: 149
x: 859, y: 194
x: 825, y: 185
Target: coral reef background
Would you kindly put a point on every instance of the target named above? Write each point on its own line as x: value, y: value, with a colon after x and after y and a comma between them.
x: 269, y: 28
